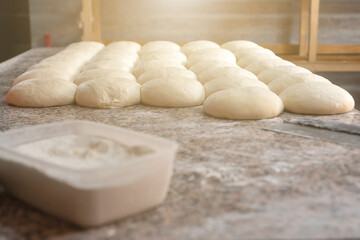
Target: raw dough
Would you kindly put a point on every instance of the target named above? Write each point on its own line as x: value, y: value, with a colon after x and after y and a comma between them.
x: 42, y: 92
x: 251, y: 57
x: 172, y: 92
x: 108, y: 93
x: 43, y: 73
x: 125, y: 45
x: 144, y: 66
x: 163, y: 55
x: 201, y: 66
x: 159, y: 45
x: 211, y: 54
x: 223, y: 83
x: 272, y: 74
x: 244, y: 103
x: 238, y: 44
x: 194, y: 46
x: 233, y: 72
x: 168, y: 72
x: 261, y: 65
x: 110, y: 65
x: 317, y: 98
x: 86, y: 46
x: 128, y: 58
x: 67, y: 68
x: 253, y: 50
x: 92, y: 74
x: 280, y: 84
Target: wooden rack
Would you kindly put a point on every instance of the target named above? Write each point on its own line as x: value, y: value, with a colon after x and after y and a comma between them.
x: 308, y: 53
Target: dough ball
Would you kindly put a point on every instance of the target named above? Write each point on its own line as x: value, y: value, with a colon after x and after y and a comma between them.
x: 109, y: 65
x: 244, y: 104
x: 102, y: 74
x: 70, y: 59
x: 223, y: 83
x: 272, y: 74
x: 225, y: 72
x: 201, y: 66
x: 317, y: 98
x: 252, y: 51
x: 211, y: 54
x: 172, y: 92
x: 145, y: 66
x: 163, y: 55
x: 128, y: 58
x: 238, y: 44
x: 86, y: 45
x: 159, y: 45
x: 168, y: 72
x: 64, y: 66
x: 108, y: 93
x: 128, y: 45
x: 194, y: 46
x: 251, y: 57
x: 280, y: 84
x: 42, y: 92
x: 43, y: 73
x: 261, y: 65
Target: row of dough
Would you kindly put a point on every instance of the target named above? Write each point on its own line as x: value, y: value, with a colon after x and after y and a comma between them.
x: 299, y: 90
x: 226, y: 72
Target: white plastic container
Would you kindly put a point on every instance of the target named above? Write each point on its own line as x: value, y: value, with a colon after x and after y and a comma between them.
x: 87, y: 197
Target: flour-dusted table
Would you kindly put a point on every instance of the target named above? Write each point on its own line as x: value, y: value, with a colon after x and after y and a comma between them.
x: 232, y: 180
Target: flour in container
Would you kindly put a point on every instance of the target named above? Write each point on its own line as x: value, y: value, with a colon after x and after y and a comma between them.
x: 80, y: 152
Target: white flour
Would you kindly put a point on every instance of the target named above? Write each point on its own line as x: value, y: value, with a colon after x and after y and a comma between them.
x: 78, y: 151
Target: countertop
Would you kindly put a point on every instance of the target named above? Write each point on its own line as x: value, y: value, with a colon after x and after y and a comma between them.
x: 232, y: 180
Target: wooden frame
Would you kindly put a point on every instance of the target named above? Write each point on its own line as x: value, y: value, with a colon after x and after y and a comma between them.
x: 308, y: 54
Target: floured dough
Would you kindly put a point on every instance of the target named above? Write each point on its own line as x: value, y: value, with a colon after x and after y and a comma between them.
x: 42, y: 92
x: 280, y: 84
x: 224, y: 72
x: 317, y: 98
x: 43, y: 73
x: 211, y: 54
x: 125, y: 45
x: 223, y: 83
x: 194, y: 46
x: 67, y: 68
x: 172, y: 92
x: 244, y: 104
x: 165, y: 55
x: 251, y: 57
x: 159, y: 45
x: 261, y: 65
x: 168, y: 72
x: 108, y: 93
x: 201, y: 66
x: 110, y: 65
x: 144, y: 66
x: 92, y: 74
x: 272, y: 74
x: 238, y: 44
x: 115, y: 56
x: 252, y: 51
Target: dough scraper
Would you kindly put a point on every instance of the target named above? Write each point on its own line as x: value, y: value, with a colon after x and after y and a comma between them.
x: 328, y: 131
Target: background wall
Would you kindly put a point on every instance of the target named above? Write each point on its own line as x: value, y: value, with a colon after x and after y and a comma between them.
x: 14, y: 28
x: 263, y: 21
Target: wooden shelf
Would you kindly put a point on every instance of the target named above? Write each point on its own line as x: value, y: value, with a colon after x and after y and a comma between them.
x: 309, y: 54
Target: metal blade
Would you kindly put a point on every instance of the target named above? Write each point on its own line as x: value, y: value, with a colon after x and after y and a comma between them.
x: 316, y: 133
x: 334, y: 126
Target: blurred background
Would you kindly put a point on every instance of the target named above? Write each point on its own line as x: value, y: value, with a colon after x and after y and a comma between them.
x: 24, y: 24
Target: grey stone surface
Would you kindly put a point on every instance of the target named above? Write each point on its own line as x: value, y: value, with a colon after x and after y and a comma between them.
x: 232, y: 180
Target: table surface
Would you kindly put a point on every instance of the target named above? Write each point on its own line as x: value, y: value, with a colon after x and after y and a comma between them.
x: 231, y: 180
